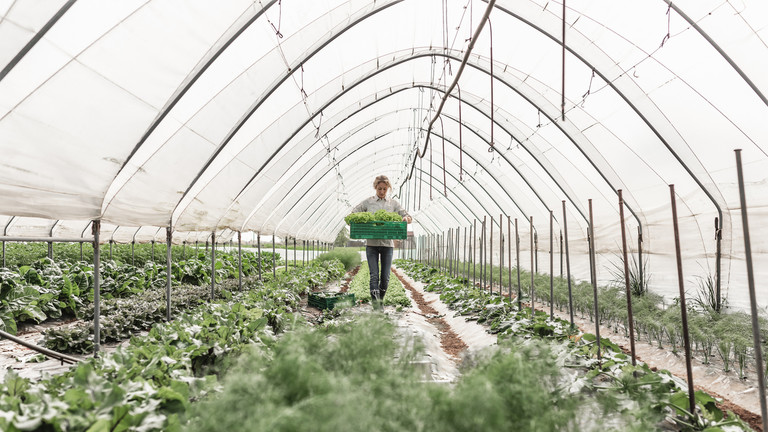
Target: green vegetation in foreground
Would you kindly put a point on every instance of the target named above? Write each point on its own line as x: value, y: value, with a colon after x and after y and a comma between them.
x: 356, y: 376
x: 361, y: 288
x: 642, y: 397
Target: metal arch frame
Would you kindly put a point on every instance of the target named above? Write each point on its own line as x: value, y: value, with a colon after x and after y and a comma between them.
x: 317, y: 178
x: 719, y: 50
x: 469, y: 209
x: 420, y: 213
x: 458, y: 182
x: 312, y: 162
x: 299, y: 201
x: 578, y: 143
x: 275, y: 85
x: 192, y: 79
x: 503, y: 127
x: 36, y: 38
x: 640, y: 113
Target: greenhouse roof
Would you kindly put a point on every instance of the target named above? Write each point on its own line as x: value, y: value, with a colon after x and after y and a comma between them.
x: 274, y: 117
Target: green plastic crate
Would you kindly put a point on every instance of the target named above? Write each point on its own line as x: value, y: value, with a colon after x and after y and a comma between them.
x: 329, y: 302
x: 379, y: 230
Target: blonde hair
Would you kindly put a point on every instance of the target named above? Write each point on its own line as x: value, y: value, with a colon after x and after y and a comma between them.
x: 382, y: 179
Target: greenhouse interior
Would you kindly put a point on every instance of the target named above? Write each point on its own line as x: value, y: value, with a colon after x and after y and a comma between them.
x: 383, y: 215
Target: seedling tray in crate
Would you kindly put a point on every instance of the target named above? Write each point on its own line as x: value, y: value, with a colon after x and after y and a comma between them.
x: 379, y: 230
x: 328, y: 300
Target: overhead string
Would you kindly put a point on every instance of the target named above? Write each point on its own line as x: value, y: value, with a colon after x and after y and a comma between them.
x: 442, y: 130
x: 279, y: 19
x: 562, y: 93
x: 461, y: 148
x: 490, y: 33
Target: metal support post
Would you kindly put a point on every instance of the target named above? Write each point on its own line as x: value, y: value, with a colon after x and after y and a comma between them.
x: 239, y: 261
x: 630, y: 318
x: 490, y: 253
x: 96, y: 229
x: 50, y: 250
x: 509, y: 258
x: 258, y: 245
x: 593, y: 271
x: 286, y: 253
x: 752, y: 296
x: 501, y: 257
x: 213, y: 263
x: 683, y: 308
x: 274, y: 264
x: 517, y: 266
x: 568, y: 265
x: 551, y: 266
x: 168, y: 263
x: 533, y: 311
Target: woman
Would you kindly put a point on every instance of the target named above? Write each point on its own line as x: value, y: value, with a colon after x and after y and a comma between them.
x: 376, y: 249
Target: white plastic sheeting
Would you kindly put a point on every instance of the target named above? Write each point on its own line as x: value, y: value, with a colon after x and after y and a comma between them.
x: 274, y: 117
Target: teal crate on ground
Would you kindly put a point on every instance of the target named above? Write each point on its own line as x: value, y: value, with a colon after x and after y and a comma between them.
x: 326, y: 301
x: 379, y: 230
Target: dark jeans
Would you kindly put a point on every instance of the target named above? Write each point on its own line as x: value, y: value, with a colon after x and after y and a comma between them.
x: 379, y: 283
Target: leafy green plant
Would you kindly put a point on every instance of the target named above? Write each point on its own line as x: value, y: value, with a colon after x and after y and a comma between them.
x: 349, y: 256
x: 360, y: 287
x: 379, y: 215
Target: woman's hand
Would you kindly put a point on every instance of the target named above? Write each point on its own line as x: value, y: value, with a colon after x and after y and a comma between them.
x: 407, y: 219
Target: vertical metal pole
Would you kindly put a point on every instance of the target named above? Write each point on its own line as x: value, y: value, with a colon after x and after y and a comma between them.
x: 239, y: 261
x: 213, y: 263
x: 258, y: 243
x: 474, y: 251
x: 184, y: 250
x: 752, y: 296
x: 532, y: 271
x: 294, y: 251
x: 561, y: 254
x: 153, y: 251
x: 50, y: 250
x: 168, y: 264
x: 4, y: 252
x: 718, y: 253
x: 110, y: 248
x: 509, y: 258
x: 490, y: 254
x: 536, y: 248
x: 303, y: 252
x: 568, y: 265
x: 683, y: 308
x: 501, y: 256
x: 630, y: 317
x: 593, y: 272
x: 551, y: 266
x: 640, y: 254
x: 81, y: 252
x: 286, y: 254
x: 96, y: 229
x: 464, y: 264
x: 133, y: 255
x: 517, y: 266
x: 274, y: 265
x: 449, y: 251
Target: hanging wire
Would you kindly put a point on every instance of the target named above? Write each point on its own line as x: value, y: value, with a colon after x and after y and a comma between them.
x: 669, y: 20
x: 562, y: 93
x: 421, y: 154
x: 490, y: 34
x: 279, y: 19
x: 442, y: 129
x: 461, y: 148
